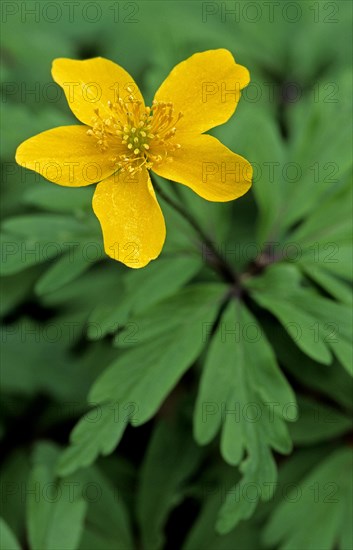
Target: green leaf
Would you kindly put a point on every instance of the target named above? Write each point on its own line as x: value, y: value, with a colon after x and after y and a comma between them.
x: 203, y: 534
x: 160, y: 280
x: 55, y: 198
x: 33, y: 361
x: 20, y: 123
x: 151, y: 369
x: 333, y: 325
x: 15, y: 471
x: 18, y: 255
x: 315, y: 228
x: 171, y: 458
x: 317, y: 423
x: 188, y: 306
x: 323, y: 164
x: 16, y: 288
x: 228, y: 388
x: 259, y: 476
x: 291, y: 472
x: 299, y: 325
x: 82, y: 295
x: 13, y: 183
x: 36, y: 360
x: 327, y: 246
x: 243, y: 389
x: 333, y: 256
x: 213, y: 217
x: 97, y: 432
x: 33, y: 239
x: 336, y: 287
x: 279, y: 279
x: 323, y: 498
x: 265, y: 149
x: 45, y: 227
x: 305, y: 59
x: 329, y: 380
x: 107, y: 523
x: 55, y: 515
x: 144, y: 288
x: 316, y: 324
x: 68, y: 267
x: 8, y: 540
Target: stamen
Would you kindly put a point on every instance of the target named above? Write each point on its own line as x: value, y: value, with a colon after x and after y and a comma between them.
x: 146, y: 133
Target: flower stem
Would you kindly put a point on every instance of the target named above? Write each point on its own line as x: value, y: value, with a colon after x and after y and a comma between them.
x: 214, y: 258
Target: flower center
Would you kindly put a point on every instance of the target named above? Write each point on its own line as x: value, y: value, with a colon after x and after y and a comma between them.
x: 146, y: 133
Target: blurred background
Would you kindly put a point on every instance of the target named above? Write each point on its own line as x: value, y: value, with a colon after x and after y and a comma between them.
x: 64, y: 302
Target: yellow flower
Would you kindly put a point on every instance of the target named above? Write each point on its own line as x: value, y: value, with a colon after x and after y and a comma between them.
x: 122, y: 140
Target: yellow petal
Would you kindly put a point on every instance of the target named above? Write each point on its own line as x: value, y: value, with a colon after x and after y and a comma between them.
x: 131, y: 219
x: 209, y: 168
x: 205, y: 88
x: 67, y: 156
x: 90, y: 84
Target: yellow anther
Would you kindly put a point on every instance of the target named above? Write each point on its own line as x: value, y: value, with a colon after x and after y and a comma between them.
x: 140, y: 130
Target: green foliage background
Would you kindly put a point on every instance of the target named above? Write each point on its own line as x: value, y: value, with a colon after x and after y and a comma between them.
x: 184, y: 433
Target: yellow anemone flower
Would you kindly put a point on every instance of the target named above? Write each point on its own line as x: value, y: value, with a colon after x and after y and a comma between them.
x: 121, y: 140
